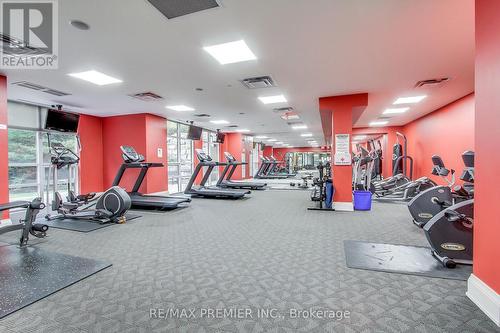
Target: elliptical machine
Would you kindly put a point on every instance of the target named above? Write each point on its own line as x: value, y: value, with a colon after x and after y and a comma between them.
x: 109, y: 207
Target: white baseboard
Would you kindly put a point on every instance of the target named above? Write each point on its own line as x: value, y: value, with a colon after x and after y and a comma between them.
x: 484, y: 297
x: 343, y: 206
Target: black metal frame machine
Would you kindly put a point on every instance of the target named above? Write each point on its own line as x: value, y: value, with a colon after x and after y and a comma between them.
x: 227, y: 173
x: 210, y: 191
x: 109, y: 207
x: 27, y: 225
x: 428, y: 203
x: 318, y: 193
x: 133, y: 160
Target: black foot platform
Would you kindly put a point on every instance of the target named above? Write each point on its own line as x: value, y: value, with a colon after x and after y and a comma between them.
x: 29, y: 274
x: 81, y: 225
x: 402, y: 259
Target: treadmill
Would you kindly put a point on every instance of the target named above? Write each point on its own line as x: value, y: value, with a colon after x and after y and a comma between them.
x: 133, y: 160
x: 225, y: 178
x: 274, y: 167
x: 210, y: 191
x: 264, y: 169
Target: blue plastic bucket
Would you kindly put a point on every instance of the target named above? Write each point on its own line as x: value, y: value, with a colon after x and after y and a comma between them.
x: 362, y: 200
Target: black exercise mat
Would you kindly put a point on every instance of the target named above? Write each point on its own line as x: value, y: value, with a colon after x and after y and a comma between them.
x: 81, y: 225
x: 402, y: 259
x: 29, y: 274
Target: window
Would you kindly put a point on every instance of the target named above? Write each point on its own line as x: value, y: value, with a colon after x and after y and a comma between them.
x: 29, y: 155
x: 180, y: 156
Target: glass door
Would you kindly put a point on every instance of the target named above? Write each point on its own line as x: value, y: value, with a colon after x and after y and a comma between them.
x: 179, y: 155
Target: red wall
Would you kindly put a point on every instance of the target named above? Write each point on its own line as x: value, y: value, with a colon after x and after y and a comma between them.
x: 4, y: 146
x: 91, y: 154
x: 447, y: 132
x: 156, y: 138
x: 487, y: 137
x: 268, y: 151
x: 117, y: 131
x: 235, y: 148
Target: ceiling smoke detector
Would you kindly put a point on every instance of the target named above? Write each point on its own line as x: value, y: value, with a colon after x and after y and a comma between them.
x: 259, y: 82
x: 147, y: 96
x: 431, y: 82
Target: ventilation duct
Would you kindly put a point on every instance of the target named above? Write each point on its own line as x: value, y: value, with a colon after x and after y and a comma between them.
x: 176, y: 8
x: 281, y: 110
x: 147, y: 96
x: 259, y: 82
x: 37, y: 87
x: 431, y: 82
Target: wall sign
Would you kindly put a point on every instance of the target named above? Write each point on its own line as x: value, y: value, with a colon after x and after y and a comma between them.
x: 342, y: 154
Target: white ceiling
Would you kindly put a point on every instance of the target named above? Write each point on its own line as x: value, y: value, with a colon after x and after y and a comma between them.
x: 312, y: 48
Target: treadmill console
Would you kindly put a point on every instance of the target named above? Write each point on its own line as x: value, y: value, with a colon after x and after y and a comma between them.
x: 130, y: 155
x: 229, y: 157
x: 202, y: 156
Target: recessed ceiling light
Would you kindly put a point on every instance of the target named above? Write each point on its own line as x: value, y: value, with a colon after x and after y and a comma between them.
x: 95, y: 77
x: 273, y: 99
x: 219, y: 122
x: 272, y: 140
x: 296, y: 127
x: 359, y: 137
x: 279, y: 143
x: 230, y: 53
x: 261, y: 137
x: 180, y: 108
x: 306, y: 134
x: 396, y: 110
x: 312, y: 141
x: 242, y: 130
x: 409, y: 100
x: 378, y: 123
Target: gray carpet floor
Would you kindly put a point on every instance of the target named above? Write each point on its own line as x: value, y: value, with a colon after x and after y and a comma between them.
x: 264, y: 252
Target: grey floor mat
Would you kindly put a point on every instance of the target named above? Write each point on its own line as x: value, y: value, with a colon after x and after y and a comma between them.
x: 81, y: 225
x: 402, y: 259
x: 32, y: 274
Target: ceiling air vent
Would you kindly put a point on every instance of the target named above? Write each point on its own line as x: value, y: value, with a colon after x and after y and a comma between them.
x: 202, y: 115
x: 431, y: 82
x: 55, y: 92
x: 285, y: 109
x: 176, y: 8
x: 290, y: 116
x: 232, y: 126
x: 37, y: 87
x: 147, y: 96
x: 259, y: 82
